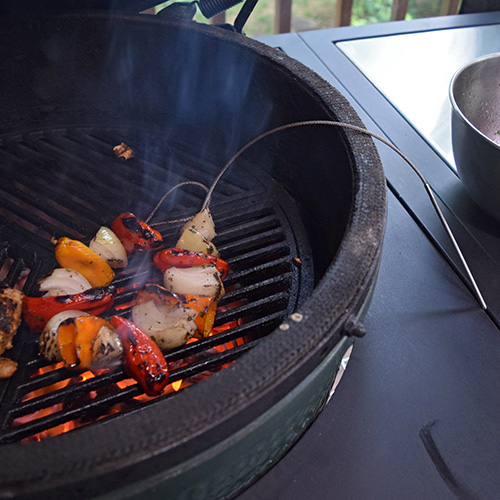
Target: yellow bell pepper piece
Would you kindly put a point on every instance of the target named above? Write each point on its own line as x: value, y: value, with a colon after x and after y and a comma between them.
x: 75, y: 255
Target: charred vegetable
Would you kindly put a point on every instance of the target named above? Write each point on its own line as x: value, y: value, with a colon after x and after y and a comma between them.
x: 81, y: 340
x: 38, y: 310
x: 191, y: 239
x: 169, y: 323
x: 203, y: 223
x: 203, y: 308
x: 182, y: 258
x: 64, y: 281
x: 135, y: 235
x: 75, y: 255
x: 142, y: 358
x: 194, y: 280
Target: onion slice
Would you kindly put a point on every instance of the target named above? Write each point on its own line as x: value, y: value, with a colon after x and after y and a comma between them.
x: 64, y: 281
x: 199, y: 280
x: 109, y: 247
x: 107, y: 349
x: 168, y: 325
x: 191, y: 239
x: 203, y: 223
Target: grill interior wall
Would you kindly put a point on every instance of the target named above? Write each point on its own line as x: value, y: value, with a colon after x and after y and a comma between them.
x: 212, y: 97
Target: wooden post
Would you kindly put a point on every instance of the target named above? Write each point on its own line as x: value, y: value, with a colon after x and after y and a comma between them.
x: 449, y: 7
x: 399, y: 10
x: 344, y: 13
x: 282, y: 16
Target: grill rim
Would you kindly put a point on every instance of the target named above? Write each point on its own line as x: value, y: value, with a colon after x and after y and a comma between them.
x: 136, y: 441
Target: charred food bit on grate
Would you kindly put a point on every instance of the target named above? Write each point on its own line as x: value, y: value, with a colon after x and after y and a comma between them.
x: 123, y: 151
x: 10, y: 319
x: 7, y: 367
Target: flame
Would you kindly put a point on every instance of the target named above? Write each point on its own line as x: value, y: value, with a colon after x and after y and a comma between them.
x: 176, y: 385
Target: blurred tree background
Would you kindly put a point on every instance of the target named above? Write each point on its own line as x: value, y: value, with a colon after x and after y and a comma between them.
x: 319, y: 14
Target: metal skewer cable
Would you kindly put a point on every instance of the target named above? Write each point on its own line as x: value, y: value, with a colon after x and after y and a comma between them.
x: 362, y: 130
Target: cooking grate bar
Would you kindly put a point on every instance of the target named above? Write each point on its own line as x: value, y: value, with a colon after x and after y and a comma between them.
x: 277, y: 267
x: 253, y: 329
x: 265, y: 288
x: 75, y: 388
x: 260, y: 221
x: 101, y: 405
x: 92, y: 406
x: 249, y: 259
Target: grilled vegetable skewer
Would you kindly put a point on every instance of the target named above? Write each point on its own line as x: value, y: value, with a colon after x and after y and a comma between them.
x: 72, y: 330
x: 83, y: 341
x: 80, y: 340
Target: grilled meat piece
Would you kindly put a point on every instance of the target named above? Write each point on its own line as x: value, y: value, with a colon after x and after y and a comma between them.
x: 11, y: 302
x: 7, y: 367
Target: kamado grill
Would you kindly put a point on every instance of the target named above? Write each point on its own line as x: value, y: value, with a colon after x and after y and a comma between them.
x: 300, y: 217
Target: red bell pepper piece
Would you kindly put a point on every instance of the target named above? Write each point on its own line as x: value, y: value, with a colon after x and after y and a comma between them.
x: 142, y: 357
x: 38, y: 310
x: 135, y: 235
x: 178, y: 257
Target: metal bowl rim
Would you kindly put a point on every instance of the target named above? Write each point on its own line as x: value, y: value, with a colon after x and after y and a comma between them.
x: 456, y: 109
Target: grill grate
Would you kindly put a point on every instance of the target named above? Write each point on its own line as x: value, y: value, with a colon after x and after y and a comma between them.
x: 254, y: 235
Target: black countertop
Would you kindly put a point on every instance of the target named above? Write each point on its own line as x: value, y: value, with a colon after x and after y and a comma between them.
x: 416, y: 414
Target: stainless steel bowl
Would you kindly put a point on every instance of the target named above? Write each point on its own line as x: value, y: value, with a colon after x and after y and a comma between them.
x: 475, y: 130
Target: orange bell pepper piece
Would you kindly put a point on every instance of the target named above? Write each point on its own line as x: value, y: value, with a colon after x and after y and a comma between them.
x: 87, y: 328
x: 66, y: 334
x: 206, y: 307
x: 75, y: 255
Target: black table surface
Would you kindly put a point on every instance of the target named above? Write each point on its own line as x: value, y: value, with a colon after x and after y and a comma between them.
x: 416, y: 414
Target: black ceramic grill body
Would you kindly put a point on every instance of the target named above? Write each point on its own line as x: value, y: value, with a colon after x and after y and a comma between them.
x: 213, y: 90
